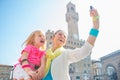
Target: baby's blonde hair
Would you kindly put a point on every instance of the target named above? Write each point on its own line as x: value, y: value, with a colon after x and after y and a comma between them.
x: 30, y: 39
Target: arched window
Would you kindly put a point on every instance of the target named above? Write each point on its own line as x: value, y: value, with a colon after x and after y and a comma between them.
x: 111, y: 72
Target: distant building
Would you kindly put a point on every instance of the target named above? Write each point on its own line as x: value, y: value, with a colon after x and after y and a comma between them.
x: 111, y: 66
x: 97, y: 70
x: 5, y: 71
x: 80, y: 70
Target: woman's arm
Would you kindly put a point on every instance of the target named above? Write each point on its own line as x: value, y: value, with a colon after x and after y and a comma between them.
x: 41, y: 70
x: 78, y: 53
x: 95, y: 30
x: 85, y: 50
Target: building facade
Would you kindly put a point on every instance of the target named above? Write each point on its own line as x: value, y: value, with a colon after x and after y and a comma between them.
x: 82, y: 69
x: 111, y: 66
x: 97, y: 70
x: 5, y: 71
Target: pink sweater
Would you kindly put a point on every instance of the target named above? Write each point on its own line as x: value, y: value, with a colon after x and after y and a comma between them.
x: 34, y: 54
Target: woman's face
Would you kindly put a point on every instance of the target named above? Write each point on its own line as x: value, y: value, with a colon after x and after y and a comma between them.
x: 59, y: 39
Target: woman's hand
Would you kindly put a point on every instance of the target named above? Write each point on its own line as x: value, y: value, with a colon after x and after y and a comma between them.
x: 33, y: 75
x: 95, y: 18
x: 41, y: 72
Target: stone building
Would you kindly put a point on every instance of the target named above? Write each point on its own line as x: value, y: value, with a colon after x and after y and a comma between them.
x: 80, y: 70
x: 111, y: 66
x: 97, y: 70
x: 5, y: 71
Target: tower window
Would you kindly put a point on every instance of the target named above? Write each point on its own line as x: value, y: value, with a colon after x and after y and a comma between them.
x: 119, y: 65
x: 50, y: 37
x: 74, y: 43
x: 85, y: 71
x: 71, y: 42
x: 67, y: 9
x: 77, y: 77
x: 72, y: 8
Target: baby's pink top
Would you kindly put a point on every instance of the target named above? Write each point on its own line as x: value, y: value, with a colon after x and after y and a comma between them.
x: 34, y: 54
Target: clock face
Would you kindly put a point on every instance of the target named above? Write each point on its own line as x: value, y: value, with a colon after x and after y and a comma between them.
x: 75, y: 36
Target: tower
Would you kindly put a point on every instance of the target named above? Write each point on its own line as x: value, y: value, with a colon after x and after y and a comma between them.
x: 72, y: 20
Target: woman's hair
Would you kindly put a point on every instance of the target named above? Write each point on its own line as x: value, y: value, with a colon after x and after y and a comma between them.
x: 59, y: 31
x: 31, y: 37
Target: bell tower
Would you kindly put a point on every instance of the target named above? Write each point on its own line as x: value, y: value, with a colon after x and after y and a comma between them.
x: 72, y: 20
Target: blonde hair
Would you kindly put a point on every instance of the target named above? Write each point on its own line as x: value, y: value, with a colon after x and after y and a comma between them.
x: 31, y: 37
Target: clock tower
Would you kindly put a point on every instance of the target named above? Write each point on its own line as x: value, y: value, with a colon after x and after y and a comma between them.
x: 72, y: 20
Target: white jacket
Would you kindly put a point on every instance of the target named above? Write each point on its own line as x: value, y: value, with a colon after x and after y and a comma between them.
x: 60, y: 65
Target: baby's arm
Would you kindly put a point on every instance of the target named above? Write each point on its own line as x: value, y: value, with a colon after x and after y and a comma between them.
x: 26, y: 66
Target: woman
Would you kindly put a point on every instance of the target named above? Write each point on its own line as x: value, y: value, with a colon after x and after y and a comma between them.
x: 58, y: 59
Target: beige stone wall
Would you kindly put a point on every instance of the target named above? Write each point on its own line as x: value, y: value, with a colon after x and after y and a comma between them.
x: 113, y: 60
x: 5, y: 72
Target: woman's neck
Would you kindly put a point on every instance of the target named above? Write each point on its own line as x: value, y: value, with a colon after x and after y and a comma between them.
x: 55, y: 47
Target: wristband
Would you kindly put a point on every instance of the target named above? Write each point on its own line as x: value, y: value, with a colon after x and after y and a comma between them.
x: 23, y: 61
x: 94, y: 32
x: 24, y: 66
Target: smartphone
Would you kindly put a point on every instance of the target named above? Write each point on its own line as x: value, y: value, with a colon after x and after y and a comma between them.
x: 91, y: 7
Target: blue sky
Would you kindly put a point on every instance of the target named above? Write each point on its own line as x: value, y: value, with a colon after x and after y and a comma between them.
x: 18, y: 18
